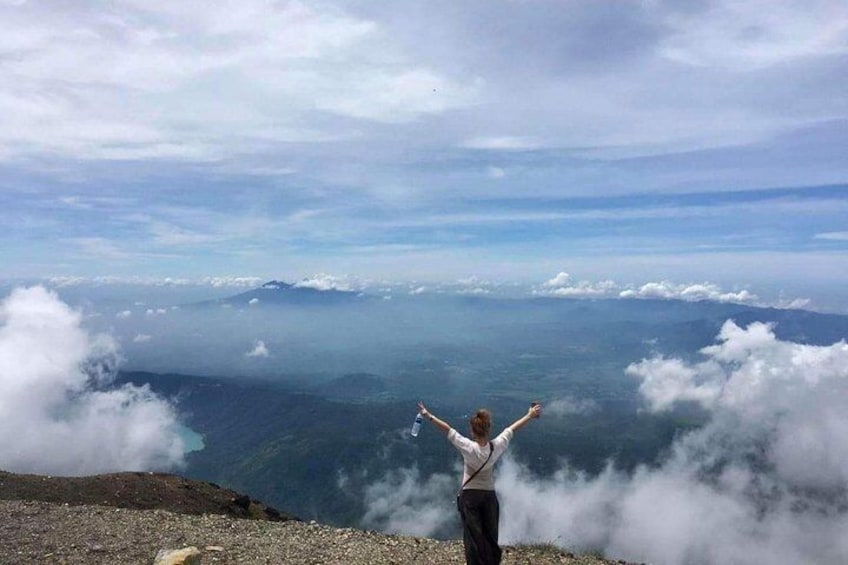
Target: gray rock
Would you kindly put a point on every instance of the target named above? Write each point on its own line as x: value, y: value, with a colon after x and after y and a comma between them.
x: 184, y: 556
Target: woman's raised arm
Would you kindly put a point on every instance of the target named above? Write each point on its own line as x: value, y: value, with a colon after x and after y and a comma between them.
x: 444, y: 426
x: 534, y: 412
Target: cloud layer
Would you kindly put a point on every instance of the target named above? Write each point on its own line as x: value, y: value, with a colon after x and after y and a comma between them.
x: 764, y: 481
x: 55, y: 414
x: 563, y: 285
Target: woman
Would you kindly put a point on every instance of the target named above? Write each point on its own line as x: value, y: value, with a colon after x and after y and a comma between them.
x: 478, y: 503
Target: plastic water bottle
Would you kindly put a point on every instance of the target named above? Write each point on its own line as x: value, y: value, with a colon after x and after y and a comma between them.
x: 416, y: 425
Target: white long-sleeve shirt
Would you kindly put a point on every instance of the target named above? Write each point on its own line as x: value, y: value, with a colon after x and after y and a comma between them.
x: 474, y: 455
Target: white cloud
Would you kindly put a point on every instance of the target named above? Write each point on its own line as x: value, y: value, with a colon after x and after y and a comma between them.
x: 788, y: 391
x: 259, y: 350
x: 794, y: 304
x: 253, y: 301
x: 397, y: 97
x: 560, y: 280
x: 324, y: 281
x: 403, y: 501
x: 668, y: 381
x: 156, y: 312
x: 216, y: 282
x: 56, y: 413
x: 688, y: 292
x: 142, y: 338
x: 763, y: 481
x: 502, y: 143
x: 586, y: 289
x: 833, y: 235
x: 473, y: 285
x: 476, y: 291
x: 124, y: 314
x: 80, y: 64
x: 562, y: 285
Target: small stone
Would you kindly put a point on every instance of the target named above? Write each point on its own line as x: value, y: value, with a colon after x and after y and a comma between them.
x: 185, y: 556
x: 213, y: 548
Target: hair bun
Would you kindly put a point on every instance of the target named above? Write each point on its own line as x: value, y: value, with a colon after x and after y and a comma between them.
x: 481, y: 423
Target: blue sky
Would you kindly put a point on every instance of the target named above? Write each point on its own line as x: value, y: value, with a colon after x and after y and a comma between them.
x: 505, y: 140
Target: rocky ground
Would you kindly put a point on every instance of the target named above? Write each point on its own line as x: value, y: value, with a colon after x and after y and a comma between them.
x: 140, y: 491
x: 34, y: 531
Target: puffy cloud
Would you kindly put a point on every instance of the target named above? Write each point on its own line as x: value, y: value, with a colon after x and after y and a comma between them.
x: 142, y: 338
x: 324, y: 281
x: 667, y: 381
x: 477, y: 291
x: 156, y: 312
x: 560, y: 280
x: 253, y: 301
x: 562, y: 285
x: 763, y: 481
x: 689, y: 292
x: 788, y: 393
x: 57, y: 413
x: 238, y: 282
x: 586, y: 289
x: 472, y: 286
x: 259, y: 350
x: 403, y: 501
x: 123, y: 314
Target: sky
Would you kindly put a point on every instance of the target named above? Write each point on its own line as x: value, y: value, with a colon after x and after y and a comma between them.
x: 510, y: 140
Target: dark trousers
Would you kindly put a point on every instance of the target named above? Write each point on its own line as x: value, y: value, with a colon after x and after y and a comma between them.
x: 479, y: 510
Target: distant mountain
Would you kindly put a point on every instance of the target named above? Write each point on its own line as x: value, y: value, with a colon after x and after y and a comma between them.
x: 283, y: 293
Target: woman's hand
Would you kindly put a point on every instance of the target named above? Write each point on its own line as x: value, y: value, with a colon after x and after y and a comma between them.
x: 442, y: 425
x: 533, y: 412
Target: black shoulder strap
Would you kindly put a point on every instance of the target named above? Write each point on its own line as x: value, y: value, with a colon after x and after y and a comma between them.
x: 491, y: 449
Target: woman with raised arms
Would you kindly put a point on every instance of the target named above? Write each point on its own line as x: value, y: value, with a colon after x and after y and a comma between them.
x: 477, y: 501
